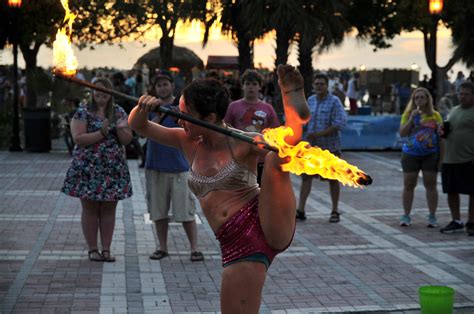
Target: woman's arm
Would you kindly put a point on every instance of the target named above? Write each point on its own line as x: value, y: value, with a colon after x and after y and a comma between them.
x: 406, y: 127
x: 138, y: 121
x: 80, y: 135
x: 124, y: 132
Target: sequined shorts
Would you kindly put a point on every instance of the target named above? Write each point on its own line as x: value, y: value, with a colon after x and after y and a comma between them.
x: 241, y: 238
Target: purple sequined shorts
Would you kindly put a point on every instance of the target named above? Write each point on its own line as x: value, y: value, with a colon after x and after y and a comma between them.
x: 242, y: 238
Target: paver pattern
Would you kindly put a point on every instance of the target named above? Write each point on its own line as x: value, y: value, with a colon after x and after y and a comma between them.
x: 365, y: 263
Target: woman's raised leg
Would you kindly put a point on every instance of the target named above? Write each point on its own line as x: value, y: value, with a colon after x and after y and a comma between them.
x: 277, y: 202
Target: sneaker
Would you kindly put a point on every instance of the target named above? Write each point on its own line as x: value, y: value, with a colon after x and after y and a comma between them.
x: 470, y: 228
x: 452, y: 227
x: 405, y: 221
x: 432, y: 221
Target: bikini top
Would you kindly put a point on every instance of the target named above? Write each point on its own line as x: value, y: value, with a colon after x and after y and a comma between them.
x: 231, y: 177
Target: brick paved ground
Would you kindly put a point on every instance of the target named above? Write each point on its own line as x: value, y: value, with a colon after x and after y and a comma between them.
x: 366, y: 263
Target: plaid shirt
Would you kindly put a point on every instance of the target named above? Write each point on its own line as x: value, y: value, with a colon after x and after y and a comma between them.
x: 324, y: 114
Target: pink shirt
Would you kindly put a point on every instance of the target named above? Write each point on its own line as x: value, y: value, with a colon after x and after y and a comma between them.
x: 251, y: 117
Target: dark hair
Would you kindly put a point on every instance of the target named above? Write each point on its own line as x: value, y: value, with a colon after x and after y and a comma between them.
x: 320, y: 76
x: 251, y: 76
x: 206, y: 96
x: 467, y: 85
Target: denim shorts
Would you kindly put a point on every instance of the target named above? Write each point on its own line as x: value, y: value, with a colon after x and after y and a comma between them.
x: 428, y: 163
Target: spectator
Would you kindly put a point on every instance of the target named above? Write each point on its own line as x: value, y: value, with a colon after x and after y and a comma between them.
x: 338, y: 90
x: 131, y: 82
x: 99, y: 174
x: 166, y: 170
x: 459, y: 80
x: 252, y: 225
x: 458, y: 165
x: 251, y: 114
x: 133, y: 149
x: 423, y: 151
x: 268, y: 88
x: 233, y: 85
x: 471, y: 77
x: 328, y: 117
x: 97, y: 75
x: 353, y: 93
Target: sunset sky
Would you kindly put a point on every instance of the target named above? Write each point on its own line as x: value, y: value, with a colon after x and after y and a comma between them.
x: 407, y: 50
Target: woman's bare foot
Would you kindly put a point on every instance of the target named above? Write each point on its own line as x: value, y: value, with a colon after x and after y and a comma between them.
x: 292, y: 89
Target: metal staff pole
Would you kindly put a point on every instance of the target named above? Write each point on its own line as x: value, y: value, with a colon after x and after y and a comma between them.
x: 228, y: 132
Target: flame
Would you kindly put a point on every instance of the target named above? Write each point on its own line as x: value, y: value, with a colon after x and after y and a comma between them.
x: 313, y: 160
x: 63, y: 55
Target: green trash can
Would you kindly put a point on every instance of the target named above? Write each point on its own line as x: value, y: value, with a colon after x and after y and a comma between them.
x: 436, y: 299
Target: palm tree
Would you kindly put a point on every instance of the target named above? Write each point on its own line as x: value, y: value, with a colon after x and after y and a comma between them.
x: 324, y: 26
x: 233, y: 23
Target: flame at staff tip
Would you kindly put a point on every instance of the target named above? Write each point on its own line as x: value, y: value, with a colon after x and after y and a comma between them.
x: 63, y: 55
x: 313, y: 160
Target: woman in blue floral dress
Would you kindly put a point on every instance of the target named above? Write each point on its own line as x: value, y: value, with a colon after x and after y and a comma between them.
x: 99, y: 174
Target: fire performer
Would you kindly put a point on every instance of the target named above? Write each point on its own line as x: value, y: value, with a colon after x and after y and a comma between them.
x: 252, y: 225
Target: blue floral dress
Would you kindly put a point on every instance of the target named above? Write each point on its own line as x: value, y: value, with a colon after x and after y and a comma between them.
x: 99, y: 171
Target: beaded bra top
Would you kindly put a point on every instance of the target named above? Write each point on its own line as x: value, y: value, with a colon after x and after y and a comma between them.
x: 231, y: 177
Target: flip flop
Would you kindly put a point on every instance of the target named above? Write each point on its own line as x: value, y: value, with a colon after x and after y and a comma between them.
x: 197, y: 257
x: 158, y: 254
x: 95, y: 256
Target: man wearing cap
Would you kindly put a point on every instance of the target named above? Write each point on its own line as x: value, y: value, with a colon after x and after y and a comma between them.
x: 166, y: 173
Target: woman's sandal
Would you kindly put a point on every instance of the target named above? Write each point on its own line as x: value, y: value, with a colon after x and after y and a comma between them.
x: 107, y: 257
x: 95, y: 256
x: 159, y: 254
x: 197, y: 256
x: 334, y: 217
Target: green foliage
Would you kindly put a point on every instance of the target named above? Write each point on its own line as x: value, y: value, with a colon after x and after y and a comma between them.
x: 114, y: 21
x: 382, y: 20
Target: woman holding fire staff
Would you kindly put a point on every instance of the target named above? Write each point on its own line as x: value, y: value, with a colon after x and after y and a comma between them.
x: 252, y: 224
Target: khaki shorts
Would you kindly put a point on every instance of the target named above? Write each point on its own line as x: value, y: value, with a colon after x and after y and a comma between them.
x: 169, y: 190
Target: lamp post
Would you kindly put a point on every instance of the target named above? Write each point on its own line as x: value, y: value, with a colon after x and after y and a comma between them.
x: 15, y: 140
x: 435, y: 9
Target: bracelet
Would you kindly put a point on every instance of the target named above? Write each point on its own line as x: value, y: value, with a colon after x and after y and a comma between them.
x: 293, y: 90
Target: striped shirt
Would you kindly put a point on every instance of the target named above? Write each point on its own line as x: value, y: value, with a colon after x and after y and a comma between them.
x: 325, y: 113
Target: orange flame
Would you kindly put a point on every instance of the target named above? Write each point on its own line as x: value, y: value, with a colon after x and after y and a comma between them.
x: 312, y: 160
x: 63, y: 55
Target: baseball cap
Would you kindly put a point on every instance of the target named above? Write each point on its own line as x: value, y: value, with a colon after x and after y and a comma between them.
x: 163, y: 74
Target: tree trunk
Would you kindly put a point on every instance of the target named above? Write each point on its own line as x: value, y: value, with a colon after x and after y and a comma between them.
x: 245, y: 48
x: 305, y: 49
x: 283, y: 40
x: 166, y: 51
